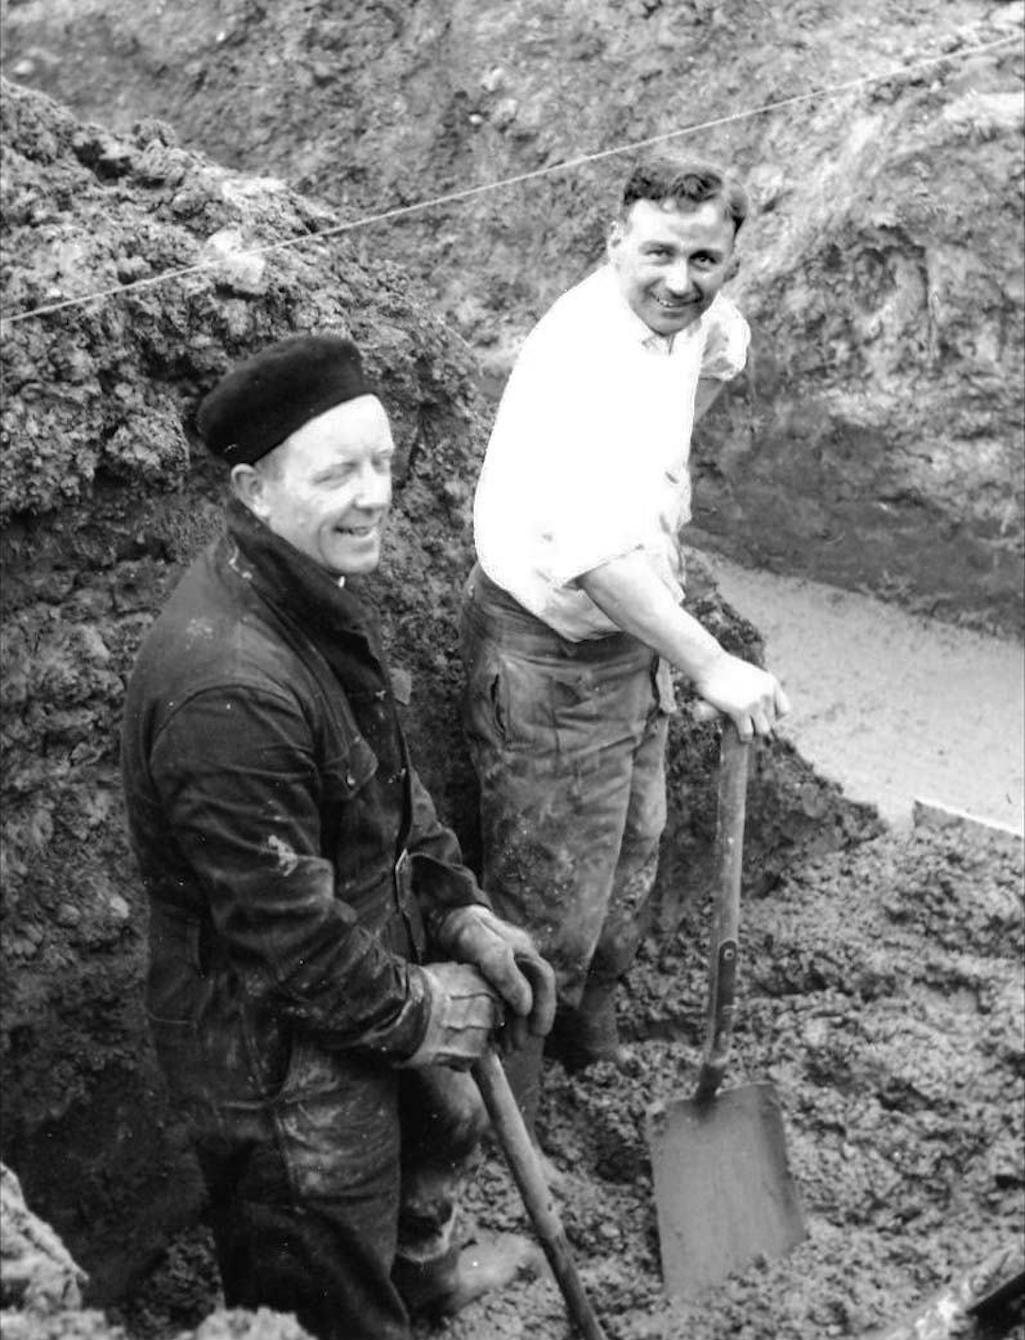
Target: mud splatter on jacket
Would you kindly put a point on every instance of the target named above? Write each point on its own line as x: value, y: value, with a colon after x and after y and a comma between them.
x: 294, y: 862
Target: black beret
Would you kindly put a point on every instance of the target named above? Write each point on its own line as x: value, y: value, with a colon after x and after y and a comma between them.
x: 253, y: 408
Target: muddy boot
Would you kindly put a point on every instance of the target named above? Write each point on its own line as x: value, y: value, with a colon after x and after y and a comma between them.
x: 588, y: 1034
x: 440, y: 1287
x: 523, y: 1071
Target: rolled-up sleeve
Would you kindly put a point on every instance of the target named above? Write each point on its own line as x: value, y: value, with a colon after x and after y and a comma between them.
x: 236, y: 774
x: 727, y: 341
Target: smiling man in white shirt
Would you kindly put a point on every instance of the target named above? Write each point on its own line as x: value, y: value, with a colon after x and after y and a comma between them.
x: 573, y: 615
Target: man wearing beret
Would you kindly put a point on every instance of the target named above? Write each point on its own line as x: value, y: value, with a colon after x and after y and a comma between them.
x: 574, y: 614
x: 323, y: 968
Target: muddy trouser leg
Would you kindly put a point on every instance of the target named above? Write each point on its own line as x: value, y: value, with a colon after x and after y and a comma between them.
x: 304, y: 1207
x: 443, y: 1118
x: 634, y: 880
x: 568, y: 742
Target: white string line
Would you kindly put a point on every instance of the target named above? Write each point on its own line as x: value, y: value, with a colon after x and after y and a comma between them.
x: 466, y: 193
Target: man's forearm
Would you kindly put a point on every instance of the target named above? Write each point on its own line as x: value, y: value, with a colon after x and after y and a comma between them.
x: 634, y: 598
x: 631, y: 594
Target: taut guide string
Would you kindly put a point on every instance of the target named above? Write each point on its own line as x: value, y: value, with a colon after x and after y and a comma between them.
x: 453, y: 197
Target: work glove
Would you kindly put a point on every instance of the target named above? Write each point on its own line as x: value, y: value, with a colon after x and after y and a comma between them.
x: 508, y: 959
x: 464, y: 1014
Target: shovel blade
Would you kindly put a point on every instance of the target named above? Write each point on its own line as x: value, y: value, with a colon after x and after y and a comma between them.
x: 723, y: 1189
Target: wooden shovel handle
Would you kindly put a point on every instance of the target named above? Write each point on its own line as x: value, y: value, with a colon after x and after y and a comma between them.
x: 526, y: 1170
x: 723, y: 948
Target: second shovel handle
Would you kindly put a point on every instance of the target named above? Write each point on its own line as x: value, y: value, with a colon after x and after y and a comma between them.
x: 723, y: 948
x: 525, y: 1167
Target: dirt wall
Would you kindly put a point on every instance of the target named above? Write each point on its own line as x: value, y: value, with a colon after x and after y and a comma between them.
x: 876, y: 441
x: 106, y: 498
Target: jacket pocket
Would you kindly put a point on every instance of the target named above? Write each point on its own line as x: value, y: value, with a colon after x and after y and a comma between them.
x: 215, y: 1045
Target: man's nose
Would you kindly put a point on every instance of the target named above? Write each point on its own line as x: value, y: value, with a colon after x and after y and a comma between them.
x: 374, y: 488
x: 679, y: 279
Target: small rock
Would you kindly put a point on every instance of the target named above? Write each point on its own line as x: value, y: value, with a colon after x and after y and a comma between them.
x: 119, y: 908
x: 240, y: 270
x: 402, y: 684
x: 505, y: 113
x: 130, y: 268
x: 38, y: 1271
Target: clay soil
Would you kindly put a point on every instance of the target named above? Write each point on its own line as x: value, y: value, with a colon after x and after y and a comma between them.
x: 875, y: 440
x: 882, y: 995
x: 881, y: 983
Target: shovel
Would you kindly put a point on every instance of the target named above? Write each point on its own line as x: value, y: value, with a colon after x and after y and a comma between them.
x: 525, y: 1166
x: 723, y: 1189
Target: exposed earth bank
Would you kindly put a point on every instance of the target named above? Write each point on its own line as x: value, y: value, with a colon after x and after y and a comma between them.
x: 876, y: 439
x: 882, y: 978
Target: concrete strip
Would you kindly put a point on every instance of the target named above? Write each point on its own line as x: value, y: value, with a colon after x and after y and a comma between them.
x: 931, y: 814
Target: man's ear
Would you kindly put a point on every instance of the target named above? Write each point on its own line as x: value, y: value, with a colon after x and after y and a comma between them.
x: 247, y: 485
x: 615, y: 236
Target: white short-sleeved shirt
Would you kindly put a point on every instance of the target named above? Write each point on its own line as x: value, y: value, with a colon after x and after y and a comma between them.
x: 588, y: 457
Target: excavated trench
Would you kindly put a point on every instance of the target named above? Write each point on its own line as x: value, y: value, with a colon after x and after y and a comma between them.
x: 882, y: 983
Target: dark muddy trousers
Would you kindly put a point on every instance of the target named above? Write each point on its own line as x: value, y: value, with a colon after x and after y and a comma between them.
x: 319, y: 1204
x: 568, y: 741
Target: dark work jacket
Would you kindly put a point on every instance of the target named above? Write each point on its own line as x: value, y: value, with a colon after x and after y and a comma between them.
x: 294, y: 863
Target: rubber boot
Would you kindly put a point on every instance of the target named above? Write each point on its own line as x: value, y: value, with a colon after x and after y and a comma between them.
x: 589, y: 1033
x: 523, y: 1071
x: 440, y: 1287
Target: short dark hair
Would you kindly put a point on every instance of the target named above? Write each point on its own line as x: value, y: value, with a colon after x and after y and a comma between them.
x: 686, y: 181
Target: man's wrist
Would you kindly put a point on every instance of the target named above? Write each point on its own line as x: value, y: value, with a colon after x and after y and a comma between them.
x: 420, y: 988
x: 702, y: 656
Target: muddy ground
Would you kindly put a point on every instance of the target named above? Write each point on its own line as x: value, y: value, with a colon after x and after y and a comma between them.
x: 882, y: 996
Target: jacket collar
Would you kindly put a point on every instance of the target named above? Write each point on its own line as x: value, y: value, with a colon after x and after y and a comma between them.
x: 299, y: 589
